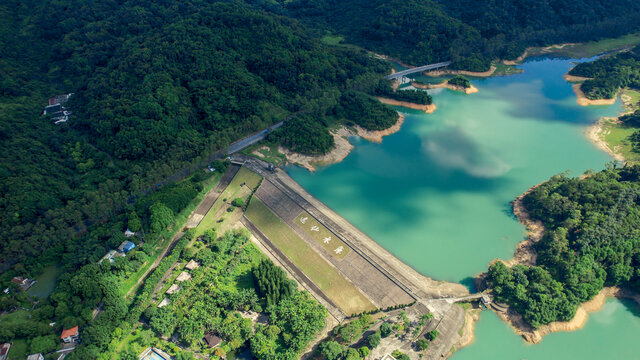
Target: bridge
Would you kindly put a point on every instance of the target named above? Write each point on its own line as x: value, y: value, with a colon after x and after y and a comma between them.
x: 403, y: 73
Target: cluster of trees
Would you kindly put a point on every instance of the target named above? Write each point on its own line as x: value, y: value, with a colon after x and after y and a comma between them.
x: 609, y: 74
x: 363, y: 110
x: 460, y: 81
x: 338, y: 345
x: 272, y: 283
x: 591, y: 240
x: 470, y: 34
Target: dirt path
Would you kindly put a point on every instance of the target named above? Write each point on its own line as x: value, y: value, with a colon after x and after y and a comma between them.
x: 155, y: 264
x: 225, y: 180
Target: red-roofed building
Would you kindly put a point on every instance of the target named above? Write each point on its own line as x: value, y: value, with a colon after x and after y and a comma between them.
x: 70, y: 335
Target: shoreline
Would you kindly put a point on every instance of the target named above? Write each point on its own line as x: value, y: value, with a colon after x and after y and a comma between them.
x: 595, y: 133
x: 470, y: 90
x: 342, y: 146
x: 375, y: 136
x: 438, y: 73
x: 525, y: 254
x: 339, y: 152
x: 574, y: 79
x: 426, y: 108
x: 582, y: 99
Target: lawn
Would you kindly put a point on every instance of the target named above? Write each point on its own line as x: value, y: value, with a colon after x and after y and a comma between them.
x: 18, y: 350
x: 267, y: 152
x: 617, y: 136
x: 326, y: 277
x: 241, y: 186
x: 322, y: 235
x: 635, y: 97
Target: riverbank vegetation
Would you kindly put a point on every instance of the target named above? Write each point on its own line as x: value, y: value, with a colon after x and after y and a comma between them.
x: 590, y: 241
x: 607, y: 75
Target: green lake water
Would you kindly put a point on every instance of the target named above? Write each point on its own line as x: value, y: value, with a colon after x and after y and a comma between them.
x: 437, y: 193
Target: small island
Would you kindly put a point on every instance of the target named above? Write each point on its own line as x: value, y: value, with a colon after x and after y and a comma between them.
x: 456, y: 83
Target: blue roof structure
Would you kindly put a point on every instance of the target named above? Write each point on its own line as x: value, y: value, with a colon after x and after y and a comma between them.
x: 128, y: 246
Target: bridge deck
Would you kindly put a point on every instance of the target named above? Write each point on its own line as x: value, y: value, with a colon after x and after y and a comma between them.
x: 418, y: 69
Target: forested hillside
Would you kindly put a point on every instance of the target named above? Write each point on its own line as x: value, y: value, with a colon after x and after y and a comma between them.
x: 468, y: 33
x: 158, y: 87
x: 609, y: 74
x: 591, y: 240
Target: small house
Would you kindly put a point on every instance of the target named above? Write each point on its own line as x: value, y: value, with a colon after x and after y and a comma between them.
x: 23, y: 282
x: 212, y: 340
x: 37, y: 356
x: 126, y: 246
x: 184, y: 276
x: 59, y: 99
x: 70, y: 335
x: 4, y: 350
x: 109, y: 256
x: 192, y: 264
x: 129, y: 233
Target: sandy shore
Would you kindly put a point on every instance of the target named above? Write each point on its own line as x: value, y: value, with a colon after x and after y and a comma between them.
x: 519, y: 59
x: 426, y: 108
x: 446, y: 85
x: 436, y: 73
x: 340, y: 151
x: 342, y: 146
x: 573, y: 78
x: 377, y: 135
x: 584, y: 101
x: 470, y: 318
x: 596, y: 134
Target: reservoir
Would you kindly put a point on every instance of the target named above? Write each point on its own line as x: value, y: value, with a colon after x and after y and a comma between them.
x: 437, y: 193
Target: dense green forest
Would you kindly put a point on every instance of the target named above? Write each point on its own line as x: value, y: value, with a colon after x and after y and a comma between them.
x: 591, y: 240
x: 469, y: 34
x: 609, y: 74
x: 158, y: 87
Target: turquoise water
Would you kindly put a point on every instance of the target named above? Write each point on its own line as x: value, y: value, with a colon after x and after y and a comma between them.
x: 610, y: 333
x: 437, y: 193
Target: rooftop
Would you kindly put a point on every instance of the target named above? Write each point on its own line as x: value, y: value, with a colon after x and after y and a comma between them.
x: 184, y: 276
x: 69, y: 332
x: 212, y: 340
x: 192, y: 264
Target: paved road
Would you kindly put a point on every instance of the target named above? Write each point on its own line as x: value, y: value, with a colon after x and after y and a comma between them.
x: 400, y: 74
x: 251, y: 139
